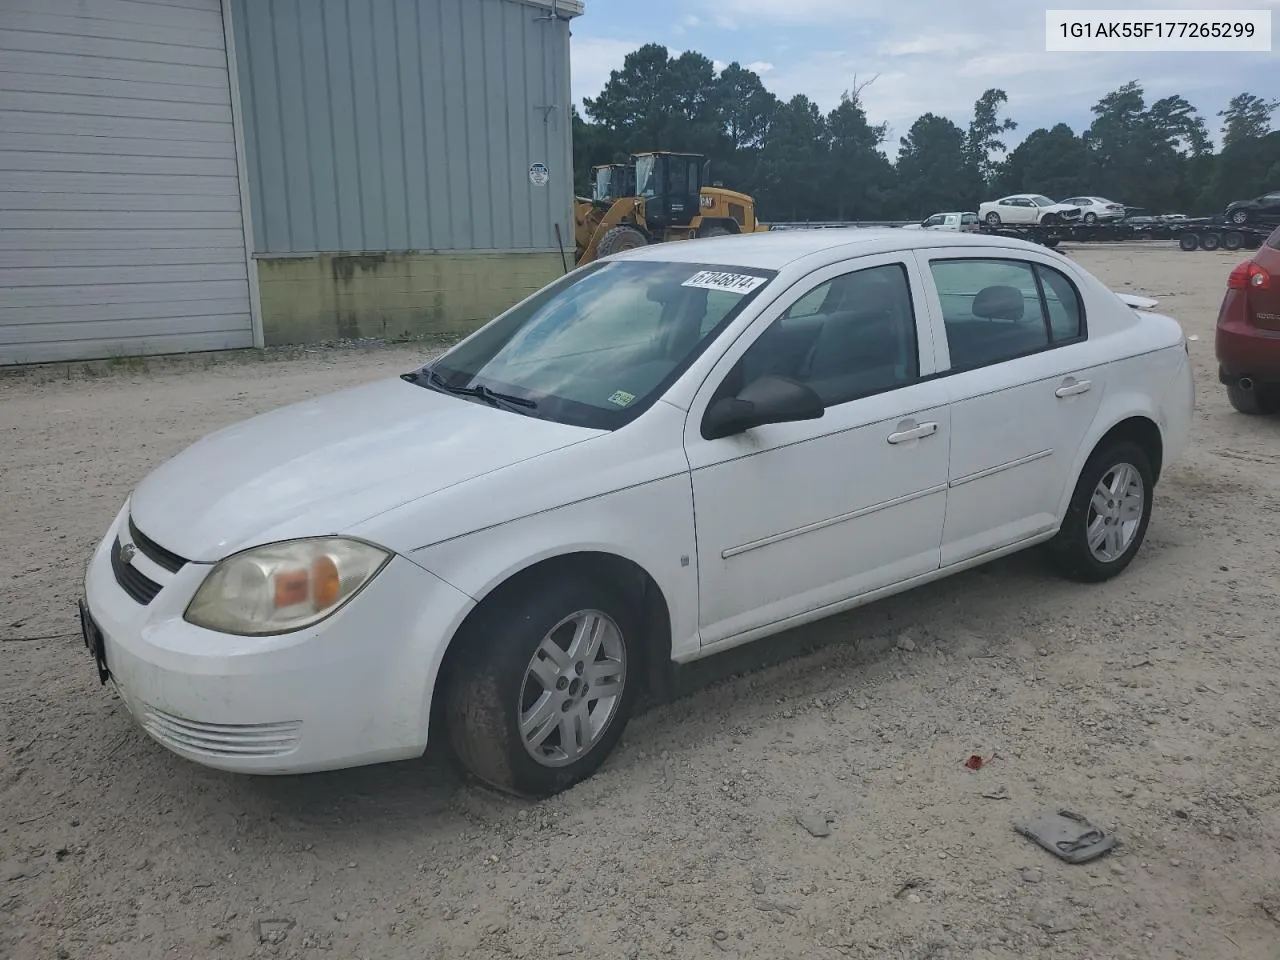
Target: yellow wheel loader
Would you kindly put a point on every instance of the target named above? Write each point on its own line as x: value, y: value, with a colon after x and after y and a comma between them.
x: 668, y: 202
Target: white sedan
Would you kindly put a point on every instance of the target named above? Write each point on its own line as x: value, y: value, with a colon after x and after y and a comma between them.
x: 1027, y: 208
x: 657, y: 457
x: 1097, y: 209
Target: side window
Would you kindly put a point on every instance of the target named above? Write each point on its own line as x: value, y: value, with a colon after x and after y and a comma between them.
x: 991, y: 309
x: 850, y: 337
x: 1062, y: 303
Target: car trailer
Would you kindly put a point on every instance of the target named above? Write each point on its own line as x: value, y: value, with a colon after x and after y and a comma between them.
x: 1217, y: 235
x: 1206, y: 234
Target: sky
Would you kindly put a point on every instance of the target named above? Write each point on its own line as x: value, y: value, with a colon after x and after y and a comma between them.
x: 926, y: 55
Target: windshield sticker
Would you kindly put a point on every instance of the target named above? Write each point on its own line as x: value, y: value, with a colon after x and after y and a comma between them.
x: 731, y: 282
x: 622, y: 398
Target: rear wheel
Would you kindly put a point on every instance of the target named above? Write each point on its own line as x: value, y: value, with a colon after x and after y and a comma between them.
x: 620, y: 238
x: 1090, y: 219
x: 1233, y: 240
x: 1188, y: 242
x: 1238, y: 216
x: 715, y: 230
x: 993, y: 219
x: 1210, y: 241
x: 1107, y: 519
x: 545, y: 684
x: 1260, y: 401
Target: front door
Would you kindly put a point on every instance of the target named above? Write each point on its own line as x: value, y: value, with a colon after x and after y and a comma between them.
x: 1025, y: 390
x: 793, y: 517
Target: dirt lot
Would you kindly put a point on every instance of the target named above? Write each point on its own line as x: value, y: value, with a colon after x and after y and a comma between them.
x: 1151, y: 704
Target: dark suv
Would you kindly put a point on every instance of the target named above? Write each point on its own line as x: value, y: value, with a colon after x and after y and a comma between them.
x: 1248, y: 336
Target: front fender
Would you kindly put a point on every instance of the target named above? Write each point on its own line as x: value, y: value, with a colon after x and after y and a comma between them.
x: 650, y: 524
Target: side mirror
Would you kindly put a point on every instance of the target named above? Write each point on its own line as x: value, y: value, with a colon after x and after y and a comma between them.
x: 768, y: 399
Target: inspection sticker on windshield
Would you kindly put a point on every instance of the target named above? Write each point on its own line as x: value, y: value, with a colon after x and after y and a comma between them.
x: 622, y: 398
x: 730, y: 282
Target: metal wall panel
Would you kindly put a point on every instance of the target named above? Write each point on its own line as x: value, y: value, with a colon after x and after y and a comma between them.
x: 120, y: 217
x: 398, y: 125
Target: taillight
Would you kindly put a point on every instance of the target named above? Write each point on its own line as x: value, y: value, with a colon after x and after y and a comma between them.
x: 1249, y: 276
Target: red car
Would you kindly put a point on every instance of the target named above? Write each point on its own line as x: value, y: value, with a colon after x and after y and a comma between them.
x: 1248, y: 335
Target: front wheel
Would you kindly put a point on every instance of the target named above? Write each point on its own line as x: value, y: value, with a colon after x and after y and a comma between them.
x: 993, y: 219
x: 620, y: 238
x: 1107, y: 518
x: 545, y: 684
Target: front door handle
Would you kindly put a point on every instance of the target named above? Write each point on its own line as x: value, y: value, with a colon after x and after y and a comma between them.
x: 1072, y: 388
x: 914, y: 433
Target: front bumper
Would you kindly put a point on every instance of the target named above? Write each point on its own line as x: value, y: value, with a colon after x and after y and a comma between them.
x: 353, y: 689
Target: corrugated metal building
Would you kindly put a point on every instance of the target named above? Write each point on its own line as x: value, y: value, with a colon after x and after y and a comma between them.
x: 203, y: 174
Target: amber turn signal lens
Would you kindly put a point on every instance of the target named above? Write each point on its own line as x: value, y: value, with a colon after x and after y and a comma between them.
x: 326, y: 585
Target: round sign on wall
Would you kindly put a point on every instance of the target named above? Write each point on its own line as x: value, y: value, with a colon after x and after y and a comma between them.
x: 539, y: 174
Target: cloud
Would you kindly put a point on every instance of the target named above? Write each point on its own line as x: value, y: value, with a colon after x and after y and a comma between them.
x: 760, y: 66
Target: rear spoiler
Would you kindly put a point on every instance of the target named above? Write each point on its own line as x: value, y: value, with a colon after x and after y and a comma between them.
x: 1138, y: 303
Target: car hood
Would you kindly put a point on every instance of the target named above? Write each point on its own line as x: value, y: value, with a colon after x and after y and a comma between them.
x: 321, y: 466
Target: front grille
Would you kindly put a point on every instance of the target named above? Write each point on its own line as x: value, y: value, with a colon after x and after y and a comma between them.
x: 154, y: 552
x: 132, y: 581
x: 222, y: 739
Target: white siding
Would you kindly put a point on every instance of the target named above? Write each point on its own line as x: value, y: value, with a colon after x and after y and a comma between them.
x: 120, y: 212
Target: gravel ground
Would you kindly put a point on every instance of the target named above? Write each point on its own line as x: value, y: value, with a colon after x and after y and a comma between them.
x: 1150, y: 704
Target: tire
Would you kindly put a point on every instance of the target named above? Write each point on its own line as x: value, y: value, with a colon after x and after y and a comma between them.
x: 1090, y: 219
x: 1258, y: 402
x: 1210, y: 241
x: 715, y: 230
x: 1188, y: 242
x: 1238, y: 217
x: 993, y: 219
x: 1049, y: 218
x: 1232, y: 240
x: 621, y: 237
x: 494, y: 683
x: 1070, y: 550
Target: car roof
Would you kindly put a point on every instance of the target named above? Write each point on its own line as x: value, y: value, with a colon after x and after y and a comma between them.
x: 773, y: 251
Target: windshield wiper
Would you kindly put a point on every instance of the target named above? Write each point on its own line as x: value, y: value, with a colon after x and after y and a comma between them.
x: 481, y: 392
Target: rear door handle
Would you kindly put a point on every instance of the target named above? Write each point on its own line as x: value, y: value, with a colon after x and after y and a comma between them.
x: 914, y: 433
x: 1073, y: 389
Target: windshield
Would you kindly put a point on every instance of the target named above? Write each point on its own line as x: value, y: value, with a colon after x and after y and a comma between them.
x: 1042, y: 201
x: 599, y: 346
x: 646, y: 186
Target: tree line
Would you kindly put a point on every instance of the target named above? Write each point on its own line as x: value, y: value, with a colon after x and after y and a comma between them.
x: 802, y: 164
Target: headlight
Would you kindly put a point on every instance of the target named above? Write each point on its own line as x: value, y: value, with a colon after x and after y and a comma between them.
x: 283, y: 586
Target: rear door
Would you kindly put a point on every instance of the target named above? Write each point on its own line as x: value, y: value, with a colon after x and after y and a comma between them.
x: 1023, y: 394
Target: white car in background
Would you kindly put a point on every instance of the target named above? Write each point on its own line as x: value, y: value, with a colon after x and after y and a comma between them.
x: 1097, y: 209
x: 662, y: 455
x: 1027, y: 208
x: 954, y: 221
